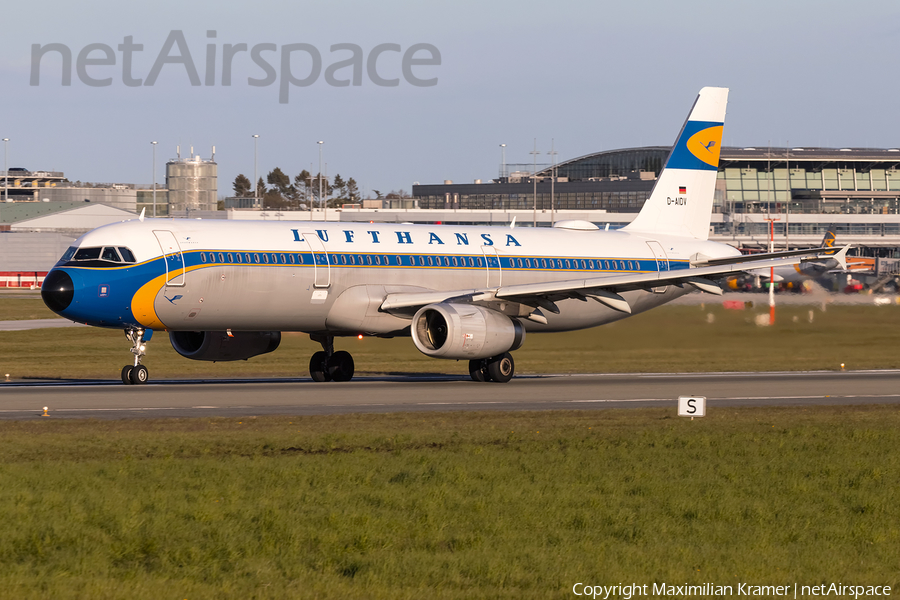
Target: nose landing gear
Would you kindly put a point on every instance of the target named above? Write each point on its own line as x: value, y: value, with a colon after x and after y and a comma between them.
x: 137, y: 374
x: 328, y: 365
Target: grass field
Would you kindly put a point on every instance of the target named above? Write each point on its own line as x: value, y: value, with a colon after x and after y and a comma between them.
x: 671, y: 338
x: 452, y: 506
x: 463, y: 505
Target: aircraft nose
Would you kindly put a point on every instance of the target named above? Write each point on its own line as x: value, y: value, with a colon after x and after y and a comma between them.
x: 57, y: 290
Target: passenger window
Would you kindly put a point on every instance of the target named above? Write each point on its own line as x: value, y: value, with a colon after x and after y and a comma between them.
x: 480, y: 262
x: 126, y: 254
x: 203, y: 257
x: 291, y: 258
x: 237, y: 255
x: 377, y: 260
x: 591, y: 264
x: 471, y: 262
x: 527, y: 263
x: 230, y: 257
x: 455, y: 263
x: 568, y: 265
x: 256, y: 258
x: 343, y: 259
x: 247, y: 258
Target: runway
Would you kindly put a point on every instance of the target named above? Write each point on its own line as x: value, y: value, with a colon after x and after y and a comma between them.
x: 181, y: 398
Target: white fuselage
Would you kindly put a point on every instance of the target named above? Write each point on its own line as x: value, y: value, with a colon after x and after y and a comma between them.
x: 316, y: 277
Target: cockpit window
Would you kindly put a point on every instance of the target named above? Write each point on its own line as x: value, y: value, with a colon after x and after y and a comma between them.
x: 87, y: 254
x: 127, y: 256
x: 110, y: 254
x: 99, y: 256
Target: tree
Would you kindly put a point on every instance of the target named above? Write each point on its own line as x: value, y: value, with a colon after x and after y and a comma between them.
x: 260, y: 188
x: 378, y: 195
x: 274, y: 200
x: 339, y: 187
x: 242, y: 186
x: 302, y: 185
x: 326, y: 188
x: 352, y: 191
x: 278, y: 180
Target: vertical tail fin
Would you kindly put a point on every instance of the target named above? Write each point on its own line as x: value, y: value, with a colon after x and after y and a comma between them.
x: 681, y: 200
x: 830, y: 236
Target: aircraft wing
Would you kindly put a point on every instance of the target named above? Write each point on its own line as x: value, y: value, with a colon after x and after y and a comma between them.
x: 605, y: 288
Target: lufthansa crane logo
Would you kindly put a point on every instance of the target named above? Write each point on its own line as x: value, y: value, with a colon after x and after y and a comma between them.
x: 705, y: 145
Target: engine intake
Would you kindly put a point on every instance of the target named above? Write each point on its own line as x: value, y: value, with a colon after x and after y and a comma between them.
x: 219, y: 346
x: 464, y: 331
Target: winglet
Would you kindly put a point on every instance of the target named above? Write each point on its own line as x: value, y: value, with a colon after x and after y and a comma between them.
x: 141, y: 218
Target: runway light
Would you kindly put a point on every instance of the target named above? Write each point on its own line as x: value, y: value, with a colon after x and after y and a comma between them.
x: 842, y: 366
x: 7, y: 376
x: 359, y: 336
x: 45, y: 412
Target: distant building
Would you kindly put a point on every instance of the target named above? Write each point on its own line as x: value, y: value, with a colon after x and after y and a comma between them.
x: 192, y: 185
x: 751, y: 180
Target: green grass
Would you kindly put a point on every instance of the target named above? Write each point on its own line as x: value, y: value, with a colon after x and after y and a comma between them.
x: 25, y: 307
x: 671, y: 338
x: 450, y: 506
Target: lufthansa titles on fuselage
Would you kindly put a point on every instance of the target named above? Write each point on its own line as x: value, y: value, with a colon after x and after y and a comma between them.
x: 406, y: 237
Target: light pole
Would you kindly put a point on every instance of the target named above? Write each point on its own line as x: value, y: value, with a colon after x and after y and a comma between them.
x: 5, y: 170
x: 552, y: 154
x: 255, y: 157
x: 502, y: 160
x: 321, y: 198
x: 154, y: 178
x: 534, y: 153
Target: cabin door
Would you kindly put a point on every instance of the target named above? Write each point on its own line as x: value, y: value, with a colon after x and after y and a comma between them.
x: 172, y: 257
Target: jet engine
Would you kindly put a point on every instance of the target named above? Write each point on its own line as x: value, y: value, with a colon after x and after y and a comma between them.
x: 219, y: 345
x: 464, y: 331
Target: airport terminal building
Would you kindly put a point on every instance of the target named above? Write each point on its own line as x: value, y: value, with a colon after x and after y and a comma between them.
x: 809, y: 188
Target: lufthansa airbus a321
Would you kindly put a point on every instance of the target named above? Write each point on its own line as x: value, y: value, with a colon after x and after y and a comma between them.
x: 225, y: 290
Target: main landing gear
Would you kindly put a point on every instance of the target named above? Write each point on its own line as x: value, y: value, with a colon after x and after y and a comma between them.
x: 138, y: 373
x: 499, y: 369
x: 328, y: 365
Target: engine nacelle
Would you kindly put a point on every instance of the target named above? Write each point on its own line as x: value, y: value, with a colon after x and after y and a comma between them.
x: 464, y: 331
x: 218, y: 345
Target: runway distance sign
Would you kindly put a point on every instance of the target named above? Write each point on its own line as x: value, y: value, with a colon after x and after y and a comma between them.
x: 692, y: 406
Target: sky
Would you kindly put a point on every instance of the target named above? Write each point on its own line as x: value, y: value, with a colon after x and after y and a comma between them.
x: 578, y: 77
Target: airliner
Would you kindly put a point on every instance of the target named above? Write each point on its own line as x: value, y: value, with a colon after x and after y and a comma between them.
x: 226, y: 290
x: 800, y: 272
